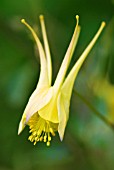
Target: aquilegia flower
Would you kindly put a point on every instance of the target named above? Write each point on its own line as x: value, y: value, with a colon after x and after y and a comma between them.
x: 47, y: 110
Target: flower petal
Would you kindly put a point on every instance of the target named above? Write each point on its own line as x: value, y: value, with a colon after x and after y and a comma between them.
x: 37, y: 100
x: 43, y: 79
x: 47, y: 50
x: 22, y: 124
x: 67, y: 58
x: 49, y: 111
x: 61, y: 115
x: 67, y: 86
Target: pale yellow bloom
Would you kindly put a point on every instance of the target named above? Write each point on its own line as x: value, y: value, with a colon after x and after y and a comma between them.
x: 47, y: 110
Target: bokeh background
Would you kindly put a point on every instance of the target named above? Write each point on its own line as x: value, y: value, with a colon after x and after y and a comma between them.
x: 89, y: 142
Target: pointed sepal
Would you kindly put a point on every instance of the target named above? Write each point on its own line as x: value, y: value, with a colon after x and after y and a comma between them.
x: 43, y: 78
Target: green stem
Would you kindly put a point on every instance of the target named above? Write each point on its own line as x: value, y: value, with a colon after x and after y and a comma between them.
x: 96, y: 112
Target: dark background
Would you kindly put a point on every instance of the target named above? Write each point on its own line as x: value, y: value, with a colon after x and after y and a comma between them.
x: 88, y: 142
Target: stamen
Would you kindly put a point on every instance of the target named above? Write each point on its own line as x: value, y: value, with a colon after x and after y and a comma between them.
x: 49, y: 137
x: 41, y: 138
x: 52, y: 132
x: 48, y: 143
x: 45, y: 138
x: 41, y: 130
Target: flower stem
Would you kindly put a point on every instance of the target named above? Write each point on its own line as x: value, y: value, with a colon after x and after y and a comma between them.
x: 95, y: 111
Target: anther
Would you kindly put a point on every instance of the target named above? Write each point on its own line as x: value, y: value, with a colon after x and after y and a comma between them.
x: 36, y: 139
x: 41, y: 138
x: 48, y: 143
x: 49, y: 138
x: 35, y: 143
x: 45, y: 138
x: 30, y: 138
x: 34, y: 133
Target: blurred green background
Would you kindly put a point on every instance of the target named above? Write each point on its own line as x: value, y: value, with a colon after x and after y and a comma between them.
x: 88, y: 142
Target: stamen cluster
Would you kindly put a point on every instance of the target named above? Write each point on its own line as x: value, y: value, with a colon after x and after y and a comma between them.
x: 40, y: 129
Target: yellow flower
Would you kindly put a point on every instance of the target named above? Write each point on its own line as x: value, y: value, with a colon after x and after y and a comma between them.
x: 47, y: 110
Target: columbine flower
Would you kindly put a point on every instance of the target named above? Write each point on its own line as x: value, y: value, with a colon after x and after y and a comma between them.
x: 47, y: 110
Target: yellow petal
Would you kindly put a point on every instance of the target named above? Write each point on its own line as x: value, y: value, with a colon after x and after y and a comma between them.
x: 43, y: 79
x: 49, y: 111
x: 37, y: 100
x: 67, y: 58
x: 47, y: 50
x: 61, y: 116
x: 67, y: 86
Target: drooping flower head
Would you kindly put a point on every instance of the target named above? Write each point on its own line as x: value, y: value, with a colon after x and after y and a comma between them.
x: 47, y: 110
